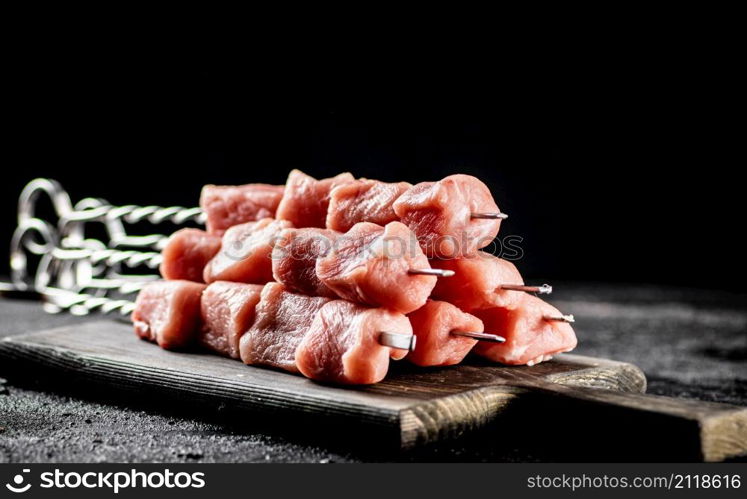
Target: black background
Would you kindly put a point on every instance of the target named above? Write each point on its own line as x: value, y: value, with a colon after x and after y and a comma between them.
x: 615, y: 163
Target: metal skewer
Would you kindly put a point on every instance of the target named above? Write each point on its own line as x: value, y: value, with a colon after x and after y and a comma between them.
x: 490, y: 216
x: 494, y: 338
x: 435, y: 272
x: 57, y: 300
x: 87, y: 210
x: 111, y: 257
x: 545, y: 289
x: 560, y: 318
x: 398, y: 341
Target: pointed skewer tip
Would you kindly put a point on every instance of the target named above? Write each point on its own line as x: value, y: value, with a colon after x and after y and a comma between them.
x: 433, y: 272
x: 561, y: 318
x: 493, y: 338
x: 490, y: 216
x: 545, y: 289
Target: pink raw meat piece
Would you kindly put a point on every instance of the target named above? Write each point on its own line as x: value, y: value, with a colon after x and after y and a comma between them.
x: 343, y: 344
x: 370, y: 264
x: 229, y: 205
x: 530, y: 338
x: 245, y: 254
x: 294, y: 259
x: 476, y: 283
x: 440, y: 214
x: 306, y: 199
x: 363, y: 200
x: 433, y: 324
x: 168, y: 313
x: 186, y: 253
x: 227, y: 313
x: 281, y: 320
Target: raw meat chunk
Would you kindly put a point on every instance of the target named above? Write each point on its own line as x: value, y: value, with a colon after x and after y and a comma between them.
x: 168, y: 313
x: 342, y: 344
x: 245, y: 254
x: 227, y: 312
x: 294, y: 259
x: 440, y: 214
x: 433, y: 324
x: 229, y: 205
x: 186, y: 253
x: 363, y: 200
x: 282, y: 319
x: 370, y: 264
x: 530, y: 337
x: 476, y: 283
x: 306, y: 199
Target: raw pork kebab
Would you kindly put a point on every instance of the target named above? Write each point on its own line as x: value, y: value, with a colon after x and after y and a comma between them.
x: 333, y: 278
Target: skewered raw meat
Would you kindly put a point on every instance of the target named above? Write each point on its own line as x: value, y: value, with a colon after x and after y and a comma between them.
x: 441, y: 214
x: 306, y: 199
x: 433, y: 324
x: 342, y: 345
x: 245, y: 252
x: 372, y: 265
x: 531, y: 334
x: 281, y: 320
x: 476, y: 283
x: 294, y: 259
x: 168, y: 313
x: 381, y: 261
x: 229, y: 205
x: 186, y: 253
x: 363, y: 200
x: 227, y: 312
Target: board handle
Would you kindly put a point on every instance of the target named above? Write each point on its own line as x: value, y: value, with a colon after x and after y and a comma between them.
x: 690, y: 429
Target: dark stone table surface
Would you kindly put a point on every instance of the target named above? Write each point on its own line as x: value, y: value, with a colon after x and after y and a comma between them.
x: 690, y: 343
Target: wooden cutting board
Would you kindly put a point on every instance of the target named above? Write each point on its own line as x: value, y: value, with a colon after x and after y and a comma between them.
x: 418, y: 406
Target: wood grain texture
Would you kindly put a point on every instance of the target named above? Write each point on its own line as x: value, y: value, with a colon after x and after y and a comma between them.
x: 419, y: 406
